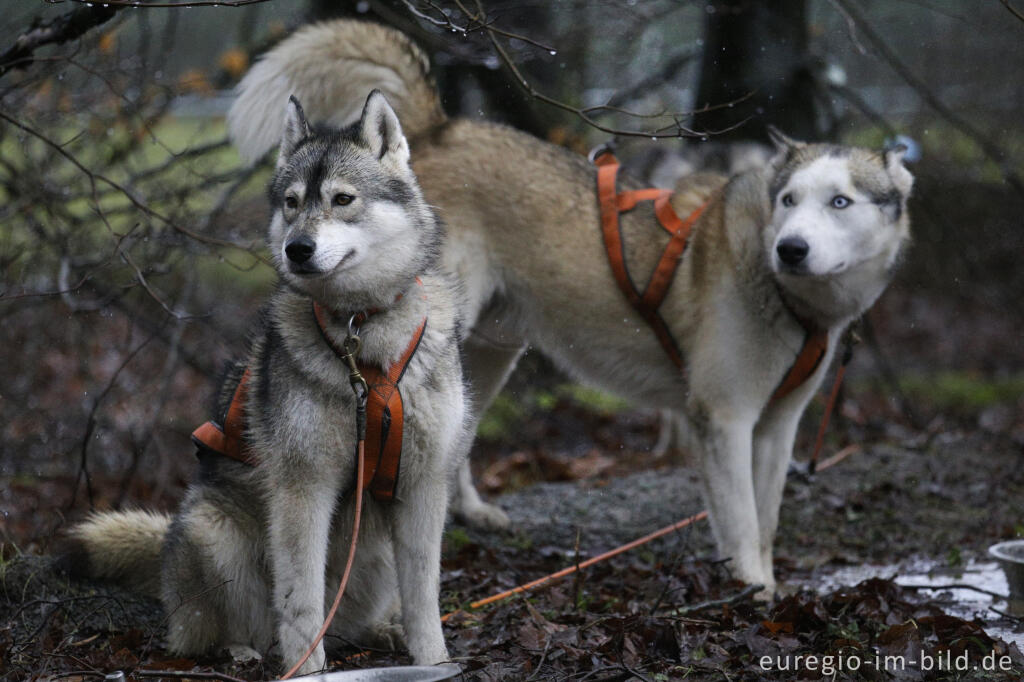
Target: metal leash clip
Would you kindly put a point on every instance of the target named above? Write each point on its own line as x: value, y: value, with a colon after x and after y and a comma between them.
x: 351, y: 346
x: 604, y: 147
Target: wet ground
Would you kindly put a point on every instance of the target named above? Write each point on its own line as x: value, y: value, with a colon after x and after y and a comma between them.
x: 912, y: 510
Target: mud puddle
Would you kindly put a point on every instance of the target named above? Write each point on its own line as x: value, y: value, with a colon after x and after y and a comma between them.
x: 976, y: 590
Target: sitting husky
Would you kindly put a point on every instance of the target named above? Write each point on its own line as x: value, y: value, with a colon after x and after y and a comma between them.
x: 258, y: 546
x: 779, y: 256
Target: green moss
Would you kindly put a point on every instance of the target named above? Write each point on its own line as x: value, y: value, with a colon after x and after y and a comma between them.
x: 456, y: 538
x: 501, y: 417
x: 593, y: 398
x: 962, y: 390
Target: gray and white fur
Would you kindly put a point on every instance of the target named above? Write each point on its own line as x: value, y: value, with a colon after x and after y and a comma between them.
x: 818, y: 232
x: 254, y: 555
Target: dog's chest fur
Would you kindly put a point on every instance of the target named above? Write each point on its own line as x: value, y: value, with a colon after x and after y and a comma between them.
x: 301, y: 410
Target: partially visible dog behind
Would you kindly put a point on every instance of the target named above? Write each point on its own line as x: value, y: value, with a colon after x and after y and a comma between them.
x: 781, y: 255
x: 256, y: 552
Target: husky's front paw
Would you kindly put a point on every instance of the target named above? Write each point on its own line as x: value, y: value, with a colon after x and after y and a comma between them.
x: 765, y: 594
x: 429, y: 654
x: 386, y: 635
x: 243, y: 653
x: 293, y: 646
x: 484, y: 516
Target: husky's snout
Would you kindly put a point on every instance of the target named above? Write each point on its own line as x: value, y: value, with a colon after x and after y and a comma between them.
x: 792, y: 250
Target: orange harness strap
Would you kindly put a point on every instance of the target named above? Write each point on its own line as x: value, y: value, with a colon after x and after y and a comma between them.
x: 384, y: 414
x: 648, y: 301
x: 228, y: 440
x: 806, y: 362
x: 384, y: 419
x: 612, y: 203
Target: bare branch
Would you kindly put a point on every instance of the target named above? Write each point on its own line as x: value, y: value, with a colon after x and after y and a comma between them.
x: 93, y: 177
x: 1013, y: 10
x: 56, y: 31
x: 186, y: 3
x: 180, y: 674
x: 478, y: 21
x: 739, y: 596
x: 851, y: 27
x: 446, y: 22
x: 83, y: 462
x: 989, y: 148
x: 664, y: 75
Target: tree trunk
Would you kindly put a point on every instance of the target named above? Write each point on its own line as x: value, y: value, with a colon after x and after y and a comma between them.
x: 757, y: 47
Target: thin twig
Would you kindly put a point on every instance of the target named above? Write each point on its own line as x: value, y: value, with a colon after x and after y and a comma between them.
x: 478, y: 20
x: 182, y: 674
x: 543, y: 657
x: 954, y: 586
x: 93, y: 177
x: 851, y: 26
x: 989, y: 148
x: 186, y: 3
x: 90, y: 426
x: 739, y: 596
x: 1004, y: 614
x: 635, y: 673
x: 445, y: 22
x: 1013, y: 10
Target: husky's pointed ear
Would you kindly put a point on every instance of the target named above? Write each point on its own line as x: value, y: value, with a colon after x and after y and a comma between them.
x: 784, y: 145
x: 296, y: 129
x: 782, y: 142
x: 381, y: 132
x: 892, y: 159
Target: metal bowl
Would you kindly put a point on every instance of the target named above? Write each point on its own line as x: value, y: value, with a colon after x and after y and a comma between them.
x: 1011, y: 557
x: 407, y: 673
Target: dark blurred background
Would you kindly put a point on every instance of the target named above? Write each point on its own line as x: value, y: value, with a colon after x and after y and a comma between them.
x: 131, y: 236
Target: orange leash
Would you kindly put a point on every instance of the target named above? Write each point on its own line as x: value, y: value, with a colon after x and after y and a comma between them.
x: 830, y: 406
x: 569, y: 570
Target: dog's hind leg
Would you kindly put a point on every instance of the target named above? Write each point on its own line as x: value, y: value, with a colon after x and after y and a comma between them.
x: 773, y: 448
x: 214, y: 589
x: 488, y: 360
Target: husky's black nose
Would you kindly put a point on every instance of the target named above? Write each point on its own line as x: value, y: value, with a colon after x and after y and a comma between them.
x: 792, y: 250
x: 300, y: 250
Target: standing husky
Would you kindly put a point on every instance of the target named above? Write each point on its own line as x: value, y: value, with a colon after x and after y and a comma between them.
x: 251, y: 553
x: 812, y: 239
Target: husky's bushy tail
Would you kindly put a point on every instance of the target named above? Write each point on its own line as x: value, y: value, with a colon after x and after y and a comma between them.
x: 123, y: 546
x: 331, y: 67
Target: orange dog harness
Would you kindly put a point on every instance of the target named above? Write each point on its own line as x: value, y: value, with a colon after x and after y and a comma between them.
x: 648, y: 301
x: 384, y: 418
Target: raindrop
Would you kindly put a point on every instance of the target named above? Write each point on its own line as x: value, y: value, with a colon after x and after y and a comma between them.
x: 552, y: 52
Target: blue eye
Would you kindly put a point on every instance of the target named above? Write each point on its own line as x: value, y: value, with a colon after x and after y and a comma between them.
x: 787, y: 200
x: 840, y: 201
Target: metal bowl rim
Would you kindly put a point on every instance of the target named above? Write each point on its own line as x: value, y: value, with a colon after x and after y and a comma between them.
x: 1001, y: 551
